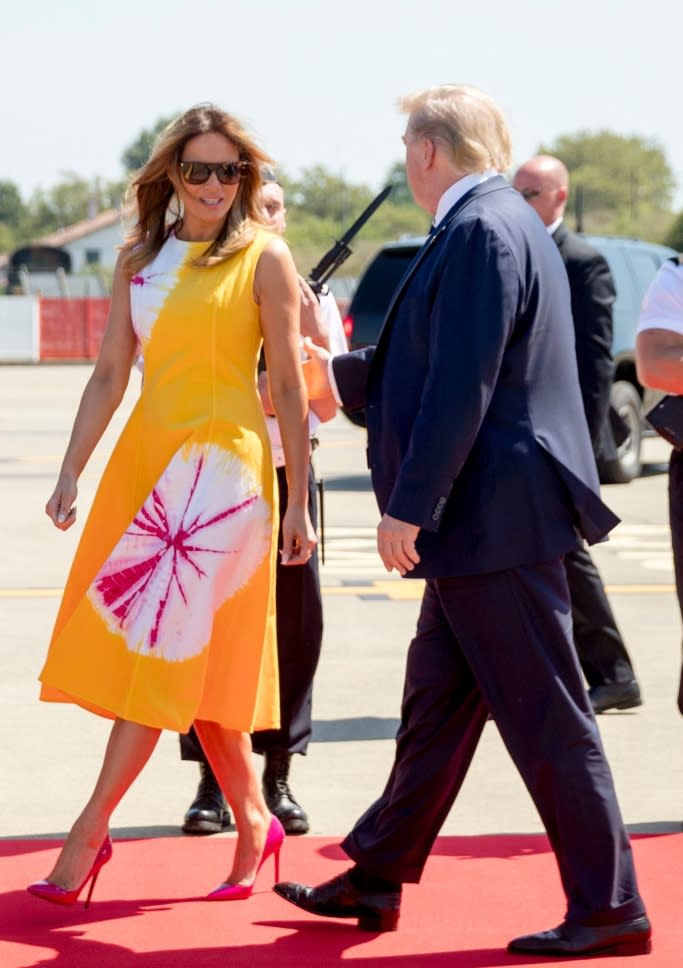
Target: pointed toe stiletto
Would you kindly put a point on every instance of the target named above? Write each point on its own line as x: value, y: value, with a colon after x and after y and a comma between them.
x: 47, y: 891
x: 239, y: 892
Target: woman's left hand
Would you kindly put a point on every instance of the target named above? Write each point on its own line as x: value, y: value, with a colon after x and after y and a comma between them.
x: 298, y: 537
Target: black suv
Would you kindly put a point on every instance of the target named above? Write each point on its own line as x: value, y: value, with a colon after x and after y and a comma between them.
x: 633, y: 264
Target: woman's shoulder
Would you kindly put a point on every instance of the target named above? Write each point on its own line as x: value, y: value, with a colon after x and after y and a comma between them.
x: 263, y: 236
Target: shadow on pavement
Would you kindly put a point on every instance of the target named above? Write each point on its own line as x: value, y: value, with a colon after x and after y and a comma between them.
x: 354, y: 729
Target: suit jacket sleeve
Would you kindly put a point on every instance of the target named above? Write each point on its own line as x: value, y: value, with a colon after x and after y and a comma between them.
x: 593, y: 295
x: 469, y: 324
x: 351, y: 375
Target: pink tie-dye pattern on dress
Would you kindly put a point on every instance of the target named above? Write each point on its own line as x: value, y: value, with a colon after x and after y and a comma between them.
x: 185, y: 545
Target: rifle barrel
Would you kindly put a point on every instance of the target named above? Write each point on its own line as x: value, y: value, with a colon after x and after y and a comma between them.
x: 340, y: 251
x: 364, y: 216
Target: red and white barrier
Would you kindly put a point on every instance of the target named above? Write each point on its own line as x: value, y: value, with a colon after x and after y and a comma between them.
x: 33, y: 328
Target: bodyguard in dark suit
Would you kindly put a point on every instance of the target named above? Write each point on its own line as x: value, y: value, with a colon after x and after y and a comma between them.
x: 483, y: 471
x: 544, y: 183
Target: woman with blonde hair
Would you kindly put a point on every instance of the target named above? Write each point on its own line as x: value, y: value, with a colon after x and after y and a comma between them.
x: 167, y: 618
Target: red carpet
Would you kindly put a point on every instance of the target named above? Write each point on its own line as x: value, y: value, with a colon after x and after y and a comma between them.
x: 477, y: 893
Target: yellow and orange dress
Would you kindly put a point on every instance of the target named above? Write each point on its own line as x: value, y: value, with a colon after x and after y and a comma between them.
x: 168, y: 614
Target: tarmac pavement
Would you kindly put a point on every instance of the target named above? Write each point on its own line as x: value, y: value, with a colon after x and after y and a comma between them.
x: 50, y: 753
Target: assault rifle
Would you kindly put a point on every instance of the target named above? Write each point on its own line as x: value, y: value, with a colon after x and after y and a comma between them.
x: 340, y: 251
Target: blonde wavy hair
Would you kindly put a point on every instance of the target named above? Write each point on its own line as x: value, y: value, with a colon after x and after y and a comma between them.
x: 466, y: 121
x: 153, y: 187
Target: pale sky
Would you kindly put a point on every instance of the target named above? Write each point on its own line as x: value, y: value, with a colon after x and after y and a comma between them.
x: 317, y: 82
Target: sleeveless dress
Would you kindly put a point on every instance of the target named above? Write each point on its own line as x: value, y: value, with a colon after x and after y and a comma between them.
x: 168, y: 614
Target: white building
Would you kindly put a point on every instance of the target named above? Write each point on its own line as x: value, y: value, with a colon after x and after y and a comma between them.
x: 92, y: 242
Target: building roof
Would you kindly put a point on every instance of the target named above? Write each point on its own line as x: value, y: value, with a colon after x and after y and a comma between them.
x: 79, y: 230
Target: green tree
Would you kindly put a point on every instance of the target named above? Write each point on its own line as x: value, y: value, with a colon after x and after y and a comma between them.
x: 65, y: 203
x: 139, y: 150
x: 400, y: 191
x: 626, y: 182
x: 12, y: 208
x: 12, y: 213
x: 320, y: 193
x: 674, y: 236
x: 7, y: 238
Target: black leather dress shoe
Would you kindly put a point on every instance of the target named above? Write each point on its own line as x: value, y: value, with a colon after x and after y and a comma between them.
x: 339, y: 898
x: 615, y: 695
x: 628, y: 938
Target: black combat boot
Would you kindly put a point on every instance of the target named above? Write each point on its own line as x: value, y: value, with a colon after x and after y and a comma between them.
x: 208, y: 813
x: 279, y: 797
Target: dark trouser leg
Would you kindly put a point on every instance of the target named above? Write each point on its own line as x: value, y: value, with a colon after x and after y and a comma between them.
x: 442, y: 718
x: 676, y: 525
x: 191, y: 748
x: 524, y: 667
x: 599, y: 644
x: 299, y: 639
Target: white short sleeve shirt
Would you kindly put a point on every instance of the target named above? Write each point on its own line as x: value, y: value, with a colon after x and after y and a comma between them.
x: 663, y: 303
x: 337, y: 337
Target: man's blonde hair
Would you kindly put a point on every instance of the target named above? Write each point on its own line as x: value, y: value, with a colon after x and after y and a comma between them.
x: 467, y: 122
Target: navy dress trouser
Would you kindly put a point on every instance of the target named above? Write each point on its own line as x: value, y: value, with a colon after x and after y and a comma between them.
x: 502, y: 643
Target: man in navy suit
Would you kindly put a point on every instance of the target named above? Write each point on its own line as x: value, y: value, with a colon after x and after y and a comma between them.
x: 483, y: 471
x: 543, y: 182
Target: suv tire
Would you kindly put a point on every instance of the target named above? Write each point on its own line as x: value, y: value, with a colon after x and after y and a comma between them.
x: 626, y: 401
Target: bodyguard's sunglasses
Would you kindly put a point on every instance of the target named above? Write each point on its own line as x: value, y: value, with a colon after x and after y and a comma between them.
x: 199, y: 172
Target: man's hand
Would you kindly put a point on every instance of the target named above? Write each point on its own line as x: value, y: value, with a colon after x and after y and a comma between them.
x: 311, y: 317
x: 396, y: 544
x: 316, y: 371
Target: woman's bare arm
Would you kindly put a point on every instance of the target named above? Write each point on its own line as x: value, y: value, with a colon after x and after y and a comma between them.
x: 276, y: 289
x: 102, y: 395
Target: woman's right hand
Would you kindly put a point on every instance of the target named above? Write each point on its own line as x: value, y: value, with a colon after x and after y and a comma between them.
x: 61, y: 508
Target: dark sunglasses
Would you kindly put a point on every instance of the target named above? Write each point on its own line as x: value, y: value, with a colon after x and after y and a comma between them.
x: 530, y: 193
x: 199, y: 172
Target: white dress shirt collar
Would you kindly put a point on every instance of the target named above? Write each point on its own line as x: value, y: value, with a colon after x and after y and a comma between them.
x: 457, y: 190
x: 554, y: 226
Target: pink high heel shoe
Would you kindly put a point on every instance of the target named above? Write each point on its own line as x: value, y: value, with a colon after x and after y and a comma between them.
x: 239, y: 892
x: 48, y: 891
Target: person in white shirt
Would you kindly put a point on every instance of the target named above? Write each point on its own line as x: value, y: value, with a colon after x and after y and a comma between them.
x: 659, y: 363
x: 298, y: 598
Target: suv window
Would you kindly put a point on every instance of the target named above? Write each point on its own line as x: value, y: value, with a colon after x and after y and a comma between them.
x: 375, y: 289
x: 633, y: 265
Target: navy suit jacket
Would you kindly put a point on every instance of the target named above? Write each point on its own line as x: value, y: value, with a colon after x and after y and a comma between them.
x: 476, y: 428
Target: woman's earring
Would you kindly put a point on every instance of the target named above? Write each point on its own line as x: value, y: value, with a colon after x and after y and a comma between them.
x: 175, y: 208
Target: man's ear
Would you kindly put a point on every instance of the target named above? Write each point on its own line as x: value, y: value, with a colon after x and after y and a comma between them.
x: 428, y: 152
x: 562, y: 193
